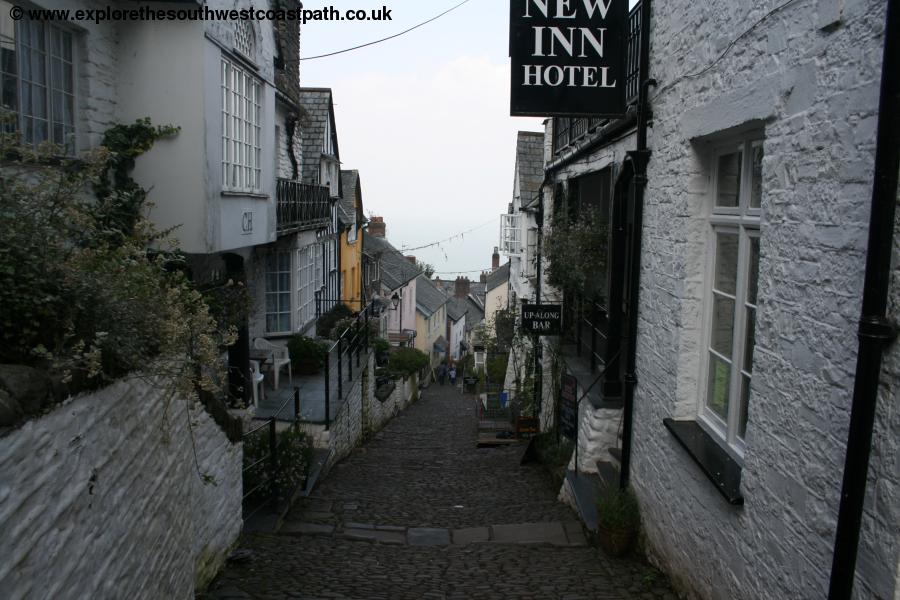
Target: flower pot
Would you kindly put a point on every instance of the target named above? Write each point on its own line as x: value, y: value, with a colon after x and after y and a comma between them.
x: 615, y: 542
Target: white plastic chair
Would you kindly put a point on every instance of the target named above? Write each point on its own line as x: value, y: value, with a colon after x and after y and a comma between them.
x: 256, y: 379
x: 282, y: 358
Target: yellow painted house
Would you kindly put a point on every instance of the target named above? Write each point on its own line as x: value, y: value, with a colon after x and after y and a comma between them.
x: 351, y: 218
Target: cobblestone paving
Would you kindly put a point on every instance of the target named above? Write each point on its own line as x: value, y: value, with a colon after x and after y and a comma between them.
x: 423, y: 470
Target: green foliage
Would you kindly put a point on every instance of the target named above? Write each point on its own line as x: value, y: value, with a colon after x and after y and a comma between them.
x: 381, y: 345
x: 504, y: 328
x: 427, y: 269
x: 348, y: 323
x: 407, y: 361
x: 618, y: 510
x: 577, y: 250
x: 294, y: 453
x: 307, y: 354
x: 79, y: 291
x: 326, y: 322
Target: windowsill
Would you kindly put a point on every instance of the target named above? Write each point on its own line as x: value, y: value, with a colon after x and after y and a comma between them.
x: 713, y: 460
x: 233, y: 193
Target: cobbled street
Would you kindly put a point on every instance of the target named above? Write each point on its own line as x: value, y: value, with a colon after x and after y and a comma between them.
x: 420, y: 513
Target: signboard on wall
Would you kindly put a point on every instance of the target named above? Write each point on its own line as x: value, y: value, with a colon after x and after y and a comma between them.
x: 568, y: 57
x: 568, y: 407
x: 542, y: 319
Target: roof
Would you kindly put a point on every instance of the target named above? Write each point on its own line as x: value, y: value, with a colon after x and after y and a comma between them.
x: 498, y: 277
x: 428, y: 297
x: 457, y: 308
x: 396, y: 270
x: 318, y: 108
x: 351, y: 198
x: 529, y: 165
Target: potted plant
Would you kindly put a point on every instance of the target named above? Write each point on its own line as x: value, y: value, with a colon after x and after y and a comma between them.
x: 618, y: 520
x: 307, y: 355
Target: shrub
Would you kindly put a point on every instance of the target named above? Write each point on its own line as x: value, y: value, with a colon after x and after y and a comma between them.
x: 407, y: 361
x: 577, y: 251
x: 326, y: 322
x: 79, y: 290
x: 295, y: 454
x: 307, y: 355
x: 343, y: 325
x: 617, y: 509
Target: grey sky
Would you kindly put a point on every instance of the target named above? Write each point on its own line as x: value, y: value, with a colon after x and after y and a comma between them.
x: 425, y: 119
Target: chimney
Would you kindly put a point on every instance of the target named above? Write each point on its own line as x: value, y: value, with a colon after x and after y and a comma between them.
x: 411, y: 259
x: 483, y: 278
x: 377, y: 228
x: 461, y: 288
x: 495, y: 259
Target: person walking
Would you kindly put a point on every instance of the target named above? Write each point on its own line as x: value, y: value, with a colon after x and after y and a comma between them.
x: 452, y: 375
x: 442, y: 372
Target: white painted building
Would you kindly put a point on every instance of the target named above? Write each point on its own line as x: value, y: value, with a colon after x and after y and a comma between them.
x: 749, y: 282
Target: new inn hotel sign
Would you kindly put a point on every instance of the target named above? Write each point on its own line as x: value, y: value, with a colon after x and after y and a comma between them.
x: 567, y: 57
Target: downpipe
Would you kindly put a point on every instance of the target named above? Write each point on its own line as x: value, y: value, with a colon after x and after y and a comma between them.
x: 876, y: 331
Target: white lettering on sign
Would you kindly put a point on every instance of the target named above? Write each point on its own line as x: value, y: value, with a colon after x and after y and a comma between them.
x: 564, y: 8
x: 582, y: 36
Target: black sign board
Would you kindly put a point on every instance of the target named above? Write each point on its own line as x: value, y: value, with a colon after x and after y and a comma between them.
x: 542, y: 319
x: 568, y: 407
x: 568, y: 57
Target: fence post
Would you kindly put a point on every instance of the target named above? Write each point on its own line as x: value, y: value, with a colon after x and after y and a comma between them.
x: 273, y: 459
x: 358, y: 343
x: 367, y: 329
x: 350, y: 358
x: 340, y: 373
x: 327, y: 391
x: 296, y: 405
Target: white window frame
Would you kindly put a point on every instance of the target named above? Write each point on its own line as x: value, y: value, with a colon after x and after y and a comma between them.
x: 511, y: 234
x: 241, y: 129
x: 57, y: 89
x: 309, y: 275
x: 744, y: 221
x: 278, y: 293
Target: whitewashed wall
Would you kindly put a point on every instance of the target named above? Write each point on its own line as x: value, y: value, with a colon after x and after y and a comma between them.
x: 102, y: 499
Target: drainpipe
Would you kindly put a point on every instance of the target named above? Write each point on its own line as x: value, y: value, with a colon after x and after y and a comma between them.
x: 538, y: 343
x: 876, y: 331
x: 640, y: 158
x: 290, y: 125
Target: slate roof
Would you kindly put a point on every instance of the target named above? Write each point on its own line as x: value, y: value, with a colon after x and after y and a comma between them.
x: 456, y: 308
x: 475, y: 315
x: 498, y: 277
x: 318, y: 109
x: 350, y: 187
x: 396, y: 271
x: 529, y: 165
x: 428, y: 297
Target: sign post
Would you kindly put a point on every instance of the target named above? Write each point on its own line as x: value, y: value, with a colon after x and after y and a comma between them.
x: 568, y: 57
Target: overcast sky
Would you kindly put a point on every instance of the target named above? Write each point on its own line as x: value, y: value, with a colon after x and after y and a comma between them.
x: 425, y: 119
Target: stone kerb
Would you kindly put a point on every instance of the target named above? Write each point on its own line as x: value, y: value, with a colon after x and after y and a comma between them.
x: 109, y: 500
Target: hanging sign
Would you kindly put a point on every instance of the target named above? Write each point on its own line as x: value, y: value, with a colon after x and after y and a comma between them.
x: 568, y: 57
x: 542, y: 319
x: 568, y: 407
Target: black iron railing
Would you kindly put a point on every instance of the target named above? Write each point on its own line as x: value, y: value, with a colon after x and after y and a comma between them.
x: 567, y: 130
x: 301, y: 205
x: 350, y: 345
x: 586, y: 324
x: 260, y: 474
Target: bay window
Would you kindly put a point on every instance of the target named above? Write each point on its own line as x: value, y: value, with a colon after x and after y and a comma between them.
x: 241, y: 122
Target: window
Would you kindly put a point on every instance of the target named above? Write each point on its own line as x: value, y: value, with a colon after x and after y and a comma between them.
x: 245, y: 38
x: 731, y: 311
x: 278, y: 292
x: 37, y: 80
x: 241, y: 113
x: 510, y: 234
x: 309, y: 280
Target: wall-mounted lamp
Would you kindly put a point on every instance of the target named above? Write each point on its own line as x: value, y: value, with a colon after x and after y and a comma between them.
x: 395, y: 300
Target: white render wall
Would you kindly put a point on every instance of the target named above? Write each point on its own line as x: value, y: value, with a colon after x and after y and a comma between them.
x: 812, y: 84
x: 101, y: 498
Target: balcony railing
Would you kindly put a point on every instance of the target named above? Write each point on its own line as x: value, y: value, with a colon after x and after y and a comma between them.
x: 301, y: 205
x: 567, y: 130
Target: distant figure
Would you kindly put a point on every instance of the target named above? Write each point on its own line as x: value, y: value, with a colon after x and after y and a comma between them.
x: 442, y: 373
x: 452, y: 375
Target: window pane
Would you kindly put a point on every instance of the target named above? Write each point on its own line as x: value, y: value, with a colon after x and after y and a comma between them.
x: 717, y: 386
x: 726, y: 262
x: 722, y: 335
x: 745, y: 402
x: 284, y: 322
x: 756, y: 176
x: 271, y: 303
x: 753, y: 275
x: 271, y: 323
x: 750, y: 340
x: 728, y: 181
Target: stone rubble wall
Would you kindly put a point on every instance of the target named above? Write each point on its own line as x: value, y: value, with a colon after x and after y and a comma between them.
x: 101, y: 498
